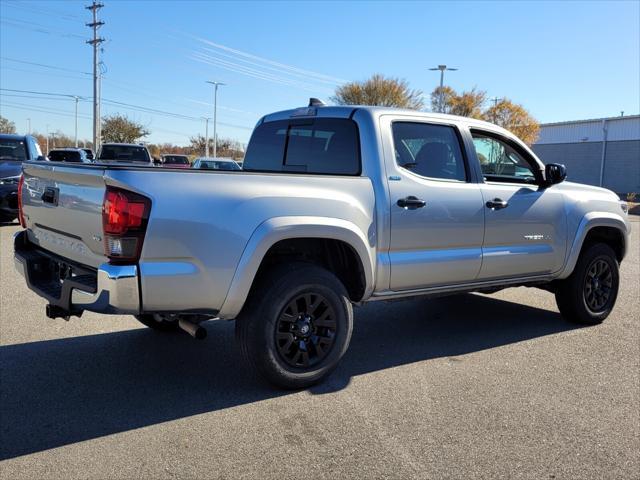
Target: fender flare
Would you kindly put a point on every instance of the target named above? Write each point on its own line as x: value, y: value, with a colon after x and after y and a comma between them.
x: 589, y: 221
x: 276, y: 229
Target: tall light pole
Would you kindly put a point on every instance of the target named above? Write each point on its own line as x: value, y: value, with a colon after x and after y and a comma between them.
x: 215, y: 115
x: 442, y: 68
x: 206, y: 136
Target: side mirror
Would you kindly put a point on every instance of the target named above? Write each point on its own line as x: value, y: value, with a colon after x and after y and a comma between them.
x: 555, y: 173
x: 41, y: 158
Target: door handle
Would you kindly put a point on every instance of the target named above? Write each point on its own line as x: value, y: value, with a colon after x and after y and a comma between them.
x: 411, y: 203
x: 497, y: 204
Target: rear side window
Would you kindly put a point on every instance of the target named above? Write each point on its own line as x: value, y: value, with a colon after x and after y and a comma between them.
x: 321, y: 145
x: 428, y: 150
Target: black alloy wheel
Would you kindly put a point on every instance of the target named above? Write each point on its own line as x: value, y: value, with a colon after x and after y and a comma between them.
x: 598, y: 284
x: 306, y: 330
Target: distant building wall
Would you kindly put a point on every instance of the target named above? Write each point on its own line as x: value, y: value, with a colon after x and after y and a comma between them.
x: 579, y: 146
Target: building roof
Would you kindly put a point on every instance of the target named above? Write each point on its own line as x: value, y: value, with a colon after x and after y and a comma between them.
x: 612, y: 129
x: 590, y: 120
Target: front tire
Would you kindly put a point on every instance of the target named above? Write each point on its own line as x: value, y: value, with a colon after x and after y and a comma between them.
x: 588, y: 295
x: 295, y: 326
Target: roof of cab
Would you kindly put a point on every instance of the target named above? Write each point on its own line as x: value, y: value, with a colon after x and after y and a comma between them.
x: 347, y: 111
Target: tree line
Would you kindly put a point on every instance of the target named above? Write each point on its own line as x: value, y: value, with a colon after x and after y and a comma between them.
x: 377, y: 90
x: 121, y: 129
x: 393, y: 92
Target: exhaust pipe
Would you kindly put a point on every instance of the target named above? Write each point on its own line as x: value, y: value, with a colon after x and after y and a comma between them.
x: 193, y: 329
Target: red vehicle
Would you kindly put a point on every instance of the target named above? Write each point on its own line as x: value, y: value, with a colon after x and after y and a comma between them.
x: 175, y: 161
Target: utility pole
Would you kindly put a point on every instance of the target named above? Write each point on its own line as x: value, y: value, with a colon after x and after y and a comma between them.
x: 495, y: 101
x: 215, y: 115
x: 29, y: 126
x: 95, y: 42
x: 76, y: 98
x: 206, y: 136
x: 47, y: 140
x: 442, y: 68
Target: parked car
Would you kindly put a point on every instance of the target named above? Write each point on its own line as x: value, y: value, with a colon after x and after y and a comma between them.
x: 124, y: 153
x: 218, y: 163
x: 74, y: 155
x: 336, y: 206
x: 14, y: 149
x: 89, y: 153
x: 175, y: 161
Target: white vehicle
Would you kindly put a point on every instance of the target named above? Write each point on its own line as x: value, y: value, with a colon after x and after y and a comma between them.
x: 217, y: 163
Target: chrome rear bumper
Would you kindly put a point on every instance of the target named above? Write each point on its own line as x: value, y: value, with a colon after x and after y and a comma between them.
x: 74, y: 288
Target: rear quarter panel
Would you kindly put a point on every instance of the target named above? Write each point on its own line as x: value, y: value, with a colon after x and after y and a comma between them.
x: 201, y: 223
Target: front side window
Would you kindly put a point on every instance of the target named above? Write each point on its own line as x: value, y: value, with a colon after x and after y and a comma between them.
x: 501, y: 162
x: 428, y: 150
x: 319, y: 145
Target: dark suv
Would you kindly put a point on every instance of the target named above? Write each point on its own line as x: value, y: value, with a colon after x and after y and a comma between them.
x: 14, y: 149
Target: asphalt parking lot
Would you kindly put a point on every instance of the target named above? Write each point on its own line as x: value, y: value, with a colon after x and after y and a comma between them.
x: 495, y: 386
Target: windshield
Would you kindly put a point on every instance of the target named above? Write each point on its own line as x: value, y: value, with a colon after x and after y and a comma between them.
x: 11, y: 149
x: 176, y: 160
x: 64, y: 156
x: 217, y: 165
x: 124, y: 153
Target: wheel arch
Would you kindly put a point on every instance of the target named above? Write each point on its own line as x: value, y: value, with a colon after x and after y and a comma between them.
x: 602, y: 227
x: 302, y: 235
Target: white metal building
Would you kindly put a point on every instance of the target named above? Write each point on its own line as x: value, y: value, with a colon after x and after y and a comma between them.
x: 602, y: 151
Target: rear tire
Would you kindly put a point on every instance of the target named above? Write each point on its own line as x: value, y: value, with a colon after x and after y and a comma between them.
x: 589, y: 294
x: 296, y: 325
x: 158, y: 321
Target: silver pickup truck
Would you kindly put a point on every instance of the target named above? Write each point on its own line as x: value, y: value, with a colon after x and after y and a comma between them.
x: 335, y: 206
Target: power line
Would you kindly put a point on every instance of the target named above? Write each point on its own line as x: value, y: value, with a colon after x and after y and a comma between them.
x: 40, y: 93
x: 44, y: 11
x: 125, y: 105
x: 32, y: 96
x: 63, y: 113
x: 44, y: 65
x: 37, y: 28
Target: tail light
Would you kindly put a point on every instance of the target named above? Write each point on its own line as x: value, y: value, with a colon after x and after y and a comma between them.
x: 124, y: 222
x: 20, y: 211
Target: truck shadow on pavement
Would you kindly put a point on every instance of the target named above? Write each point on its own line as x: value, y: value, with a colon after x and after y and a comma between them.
x: 58, y: 392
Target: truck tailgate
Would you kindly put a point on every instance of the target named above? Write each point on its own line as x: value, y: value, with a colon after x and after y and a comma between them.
x: 62, y: 207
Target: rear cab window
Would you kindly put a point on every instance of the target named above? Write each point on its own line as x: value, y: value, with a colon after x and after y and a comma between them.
x: 176, y: 160
x: 124, y: 153
x: 329, y: 146
x: 64, y: 156
x: 13, y: 149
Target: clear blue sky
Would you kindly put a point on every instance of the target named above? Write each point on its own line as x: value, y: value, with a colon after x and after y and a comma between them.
x: 562, y: 61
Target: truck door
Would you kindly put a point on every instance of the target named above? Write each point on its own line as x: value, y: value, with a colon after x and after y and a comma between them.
x: 437, y: 211
x: 525, y: 223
